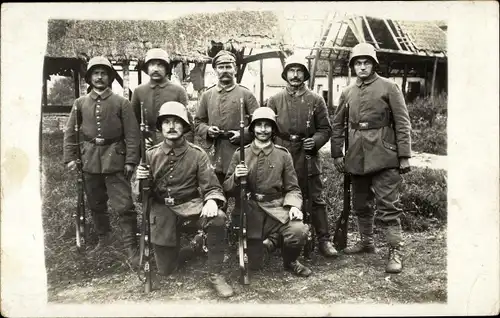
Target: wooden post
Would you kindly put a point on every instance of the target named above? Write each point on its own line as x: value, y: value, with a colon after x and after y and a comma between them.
x: 309, y: 67
x: 83, y: 84
x: 348, y: 75
x: 330, y: 85
x: 433, y: 78
x: 405, y: 74
x: 44, y: 91
x: 126, y: 79
x: 261, y: 76
x: 426, y: 78
x: 76, y: 81
x: 139, y: 76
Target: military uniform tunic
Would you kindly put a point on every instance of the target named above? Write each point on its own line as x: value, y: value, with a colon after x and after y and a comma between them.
x: 153, y: 95
x: 221, y: 107
x: 180, y: 173
x: 270, y: 172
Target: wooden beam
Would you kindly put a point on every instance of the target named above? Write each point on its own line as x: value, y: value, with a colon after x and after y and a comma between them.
x: 261, y: 78
x: 261, y: 56
x: 126, y: 80
x: 330, y: 85
x: 139, y: 76
x: 314, y: 68
x: 371, y: 33
x: 433, y: 79
x: 382, y: 50
x: 348, y: 75
x: 403, y: 86
x: 392, y: 34
x: 76, y: 82
x: 120, y: 81
x: 309, y: 81
x: 44, y: 91
x: 426, y: 78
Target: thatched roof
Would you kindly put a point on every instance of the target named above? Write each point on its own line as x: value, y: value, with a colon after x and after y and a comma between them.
x: 185, y: 38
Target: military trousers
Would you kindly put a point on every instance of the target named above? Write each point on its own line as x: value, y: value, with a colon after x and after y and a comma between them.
x: 167, y: 226
x: 383, y: 187
x: 319, y: 218
x: 115, y: 188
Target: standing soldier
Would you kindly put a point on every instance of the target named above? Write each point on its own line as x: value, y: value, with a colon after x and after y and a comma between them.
x: 157, y: 91
x: 275, y: 198
x: 379, y: 151
x: 217, y: 119
x: 110, y: 153
x: 178, y: 169
x: 304, y: 127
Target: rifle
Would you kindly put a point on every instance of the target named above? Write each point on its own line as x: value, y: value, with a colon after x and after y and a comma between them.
x: 79, y: 215
x: 145, y: 244
x: 340, y: 236
x: 307, y: 208
x: 242, y: 240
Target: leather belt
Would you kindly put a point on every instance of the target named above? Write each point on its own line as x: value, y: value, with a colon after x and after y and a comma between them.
x: 365, y: 125
x: 225, y: 134
x: 176, y: 201
x: 264, y: 197
x: 292, y: 137
x: 102, y: 141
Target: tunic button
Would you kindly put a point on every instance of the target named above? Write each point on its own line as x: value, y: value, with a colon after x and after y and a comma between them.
x: 171, y: 169
x: 98, y: 128
x: 171, y: 177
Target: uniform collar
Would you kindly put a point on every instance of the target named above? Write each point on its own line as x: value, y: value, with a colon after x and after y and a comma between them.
x: 179, y: 150
x: 301, y: 91
x: 266, y: 150
x: 107, y: 92
x: 221, y: 87
x: 367, y: 81
x: 153, y: 84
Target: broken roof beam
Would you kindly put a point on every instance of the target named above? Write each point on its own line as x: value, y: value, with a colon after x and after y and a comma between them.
x: 392, y: 34
x: 371, y: 33
x: 382, y: 50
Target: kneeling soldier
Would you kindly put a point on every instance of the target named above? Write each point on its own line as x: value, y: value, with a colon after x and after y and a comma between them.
x: 178, y: 168
x: 274, y: 194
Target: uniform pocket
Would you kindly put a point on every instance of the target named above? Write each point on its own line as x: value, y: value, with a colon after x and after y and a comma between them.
x: 389, y: 145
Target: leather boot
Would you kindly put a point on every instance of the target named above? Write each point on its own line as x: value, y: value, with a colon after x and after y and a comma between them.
x: 394, y: 259
x: 291, y: 264
x: 129, y: 237
x: 166, y: 259
x: 218, y: 282
x: 366, y: 244
x: 255, y: 252
x: 320, y: 222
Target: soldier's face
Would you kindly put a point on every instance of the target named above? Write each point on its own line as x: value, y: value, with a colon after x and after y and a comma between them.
x: 363, y: 67
x: 156, y: 70
x: 295, y: 75
x: 99, y: 77
x: 225, y: 72
x: 172, y: 128
x: 263, y: 130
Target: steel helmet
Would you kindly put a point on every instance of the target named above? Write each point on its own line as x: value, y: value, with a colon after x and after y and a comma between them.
x: 156, y: 54
x: 297, y: 61
x: 173, y: 109
x: 263, y: 113
x: 99, y: 61
x: 363, y: 49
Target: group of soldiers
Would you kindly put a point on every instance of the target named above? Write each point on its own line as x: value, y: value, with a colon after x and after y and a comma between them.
x: 188, y: 185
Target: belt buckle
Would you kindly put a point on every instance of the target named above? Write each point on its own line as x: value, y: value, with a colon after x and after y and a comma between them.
x: 169, y: 201
x: 294, y: 138
x: 99, y: 141
x: 259, y: 197
x: 363, y: 125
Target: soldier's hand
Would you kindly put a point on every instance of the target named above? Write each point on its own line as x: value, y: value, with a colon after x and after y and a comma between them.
x: 295, y: 214
x: 210, y: 209
x: 404, y: 165
x: 241, y: 170
x: 148, y: 142
x: 235, y: 137
x: 339, y: 164
x: 142, y: 172
x: 308, y: 144
x: 71, y: 165
x: 128, y: 171
x: 213, y: 131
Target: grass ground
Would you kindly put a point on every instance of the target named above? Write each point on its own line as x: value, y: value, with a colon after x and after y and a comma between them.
x: 77, y: 278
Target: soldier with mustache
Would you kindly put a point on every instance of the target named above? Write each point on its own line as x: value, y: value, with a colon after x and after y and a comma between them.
x: 217, y: 119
